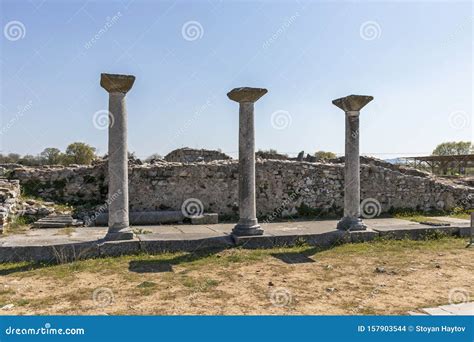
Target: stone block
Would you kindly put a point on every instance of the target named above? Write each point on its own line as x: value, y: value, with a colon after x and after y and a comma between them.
x: 61, y: 253
x: 363, y: 235
x: 143, y: 218
x: 205, y: 219
x: 117, y: 248
x: 160, y: 243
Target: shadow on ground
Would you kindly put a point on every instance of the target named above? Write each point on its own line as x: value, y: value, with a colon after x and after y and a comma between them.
x: 293, y: 258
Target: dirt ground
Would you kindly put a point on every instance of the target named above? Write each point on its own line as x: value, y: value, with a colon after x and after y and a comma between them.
x: 384, y: 277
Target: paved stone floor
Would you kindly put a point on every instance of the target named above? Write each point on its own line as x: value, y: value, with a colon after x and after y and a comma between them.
x: 50, y: 244
x: 462, y: 309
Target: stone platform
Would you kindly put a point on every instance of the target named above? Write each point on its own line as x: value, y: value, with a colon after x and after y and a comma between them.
x: 461, y: 309
x: 62, y: 245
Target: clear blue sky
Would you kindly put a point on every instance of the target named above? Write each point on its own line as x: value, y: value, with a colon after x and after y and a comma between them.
x: 415, y: 58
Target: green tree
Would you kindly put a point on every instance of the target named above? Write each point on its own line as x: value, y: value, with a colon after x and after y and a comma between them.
x: 10, y: 158
x: 324, y: 155
x: 80, y: 153
x: 29, y: 160
x: 51, y: 156
x: 452, y: 148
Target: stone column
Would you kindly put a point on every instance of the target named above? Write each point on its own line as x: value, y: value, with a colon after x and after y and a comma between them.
x: 118, y: 86
x: 471, y: 238
x: 246, y: 97
x: 352, y: 105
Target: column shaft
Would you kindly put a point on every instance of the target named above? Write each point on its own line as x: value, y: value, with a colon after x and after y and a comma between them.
x: 351, y: 105
x: 246, y: 97
x: 118, y: 166
x: 352, y: 167
x: 247, y: 206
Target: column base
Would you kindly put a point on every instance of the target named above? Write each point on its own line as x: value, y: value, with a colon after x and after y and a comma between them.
x: 122, y: 234
x: 248, y: 228
x: 351, y: 224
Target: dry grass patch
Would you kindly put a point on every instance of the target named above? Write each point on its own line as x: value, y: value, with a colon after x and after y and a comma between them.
x: 381, y: 277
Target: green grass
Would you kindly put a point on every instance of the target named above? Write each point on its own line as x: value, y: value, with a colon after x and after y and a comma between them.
x: 18, y: 225
x: 39, y: 200
x: 205, y: 259
x: 169, y: 276
x: 419, y: 219
x: 146, y: 288
x: 419, y: 216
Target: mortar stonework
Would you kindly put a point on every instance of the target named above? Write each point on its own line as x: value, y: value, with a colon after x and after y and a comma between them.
x: 282, y: 187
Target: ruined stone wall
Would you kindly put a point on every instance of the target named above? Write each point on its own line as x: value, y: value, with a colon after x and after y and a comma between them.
x: 283, y: 187
x: 9, y: 198
x: 190, y: 155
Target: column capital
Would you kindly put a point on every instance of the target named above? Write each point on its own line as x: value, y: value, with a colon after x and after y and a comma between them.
x: 353, y: 103
x: 246, y: 94
x: 114, y: 83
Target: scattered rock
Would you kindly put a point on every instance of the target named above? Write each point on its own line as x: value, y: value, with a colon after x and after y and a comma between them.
x: 8, y: 307
x: 380, y: 269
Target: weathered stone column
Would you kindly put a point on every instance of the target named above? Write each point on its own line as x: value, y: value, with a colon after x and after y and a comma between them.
x: 471, y: 238
x: 352, y: 105
x: 118, y: 86
x: 246, y: 97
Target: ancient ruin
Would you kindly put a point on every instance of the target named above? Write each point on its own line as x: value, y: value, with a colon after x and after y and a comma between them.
x: 117, y: 87
x: 352, y: 105
x: 190, y: 155
x: 246, y: 97
x: 265, y: 186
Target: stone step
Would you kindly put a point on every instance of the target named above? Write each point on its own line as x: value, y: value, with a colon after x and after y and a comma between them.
x: 54, y: 219
x: 57, y: 221
x: 49, y: 225
x: 56, y: 224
